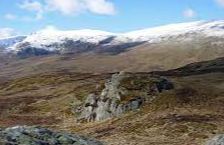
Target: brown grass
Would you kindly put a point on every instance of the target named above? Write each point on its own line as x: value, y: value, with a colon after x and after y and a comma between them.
x: 187, y: 115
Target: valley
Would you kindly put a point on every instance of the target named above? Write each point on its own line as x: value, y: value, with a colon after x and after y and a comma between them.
x: 158, y: 86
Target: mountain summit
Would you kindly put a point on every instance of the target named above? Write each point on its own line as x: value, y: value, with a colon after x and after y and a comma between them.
x: 58, y: 41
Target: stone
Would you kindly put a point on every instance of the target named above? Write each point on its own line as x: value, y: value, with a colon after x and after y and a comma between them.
x: 122, y: 93
x: 217, y: 140
x: 30, y: 135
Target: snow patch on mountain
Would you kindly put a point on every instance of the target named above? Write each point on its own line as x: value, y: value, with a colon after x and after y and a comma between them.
x: 48, y: 37
x: 7, y: 42
x: 52, y: 39
x: 213, y: 28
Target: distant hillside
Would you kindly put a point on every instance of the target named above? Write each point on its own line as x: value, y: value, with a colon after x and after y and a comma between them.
x: 161, y: 56
x: 212, y: 66
x: 53, y: 41
x: 92, y: 51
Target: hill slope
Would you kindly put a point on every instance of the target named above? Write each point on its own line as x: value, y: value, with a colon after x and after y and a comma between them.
x: 143, y: 58
x: 189, y: 114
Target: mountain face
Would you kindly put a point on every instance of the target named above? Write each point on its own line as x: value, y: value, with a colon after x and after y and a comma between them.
x: 50, y: 41
x: 182, y: 30
x: 91, y: 51
x: 7, y: 42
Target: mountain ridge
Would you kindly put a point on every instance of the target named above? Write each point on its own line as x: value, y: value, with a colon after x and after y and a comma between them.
x: 113, y: 54
x: 53, y: 40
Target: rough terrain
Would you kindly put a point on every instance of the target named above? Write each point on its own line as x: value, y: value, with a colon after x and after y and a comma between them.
x: 189, y: 114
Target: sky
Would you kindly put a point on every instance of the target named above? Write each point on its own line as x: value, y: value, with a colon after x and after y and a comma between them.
x: 21, y: 17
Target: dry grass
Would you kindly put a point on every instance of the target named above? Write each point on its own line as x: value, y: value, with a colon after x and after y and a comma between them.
x: 174, y: 118
x: 187, y: 115
x: 47, y: 95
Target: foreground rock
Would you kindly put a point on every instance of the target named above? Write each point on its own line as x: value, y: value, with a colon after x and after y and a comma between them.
x: 25, y: 135
x: 217, y: 140
x: 123, y: 92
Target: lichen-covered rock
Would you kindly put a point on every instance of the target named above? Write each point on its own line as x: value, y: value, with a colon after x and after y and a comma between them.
x: 123, y: 92
x: 217, y: 140
x: 29, y: 135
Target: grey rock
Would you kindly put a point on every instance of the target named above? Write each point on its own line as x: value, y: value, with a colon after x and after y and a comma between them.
x: 122, y: 93
x: 217, y: 140
x: 30, y: 135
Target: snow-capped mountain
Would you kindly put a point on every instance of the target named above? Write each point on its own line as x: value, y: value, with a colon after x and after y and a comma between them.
x: 212, y: 28
x: 47, y: 37
x: 56, y: 41
x: 7, y: 42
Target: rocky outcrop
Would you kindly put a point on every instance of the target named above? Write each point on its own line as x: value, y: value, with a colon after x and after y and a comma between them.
x: 122, y: 93
x: 25, y: 135
x: 217, y: 140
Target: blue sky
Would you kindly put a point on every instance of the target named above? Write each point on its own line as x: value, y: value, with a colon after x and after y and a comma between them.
x: 26, y: 16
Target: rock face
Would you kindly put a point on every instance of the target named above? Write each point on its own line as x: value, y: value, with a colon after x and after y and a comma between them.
x: 25, y: 135
x: 123, y: 92
x: 217, y: 140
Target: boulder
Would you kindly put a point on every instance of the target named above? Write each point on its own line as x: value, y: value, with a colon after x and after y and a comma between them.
x: 30, y: 135
x: 217, y: 140
x: 122, y: 93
